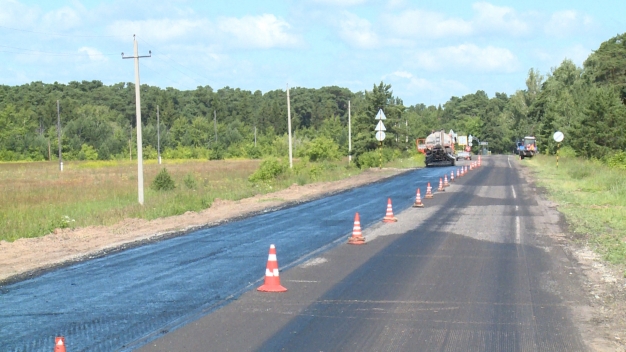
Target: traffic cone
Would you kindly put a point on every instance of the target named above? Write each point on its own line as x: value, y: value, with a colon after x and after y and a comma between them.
x: 272, y: 280
x: 458, y: 173
x: 357, y: 236
x: 59, y: 344
x: 418, y: 200
x: 471, y: 166
x: 440, y: 189
x: 389, y: 215
x: 445, y: 181
x: 451, y: 176
x: 429, y: 193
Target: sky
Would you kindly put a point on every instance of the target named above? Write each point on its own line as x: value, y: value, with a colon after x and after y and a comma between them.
x: 427, y: 50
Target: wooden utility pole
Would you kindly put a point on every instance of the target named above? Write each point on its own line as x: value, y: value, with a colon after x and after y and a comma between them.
x: 158, y: 136
x: 289, y: 128
x: 215, y: 124
x: 59, y: 135
x: 349, y: 134
x: 138, y: 112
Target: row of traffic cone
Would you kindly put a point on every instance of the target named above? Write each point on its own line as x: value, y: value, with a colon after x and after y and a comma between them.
x: 272, y: 278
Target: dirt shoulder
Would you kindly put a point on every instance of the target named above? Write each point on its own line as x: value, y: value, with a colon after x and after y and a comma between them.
x: 30, y: 256
x: 598, y: 297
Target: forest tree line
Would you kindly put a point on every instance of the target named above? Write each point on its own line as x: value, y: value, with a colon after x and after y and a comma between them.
x: 98, y: 121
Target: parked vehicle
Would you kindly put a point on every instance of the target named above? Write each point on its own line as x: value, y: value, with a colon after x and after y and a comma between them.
x: 527, y: 147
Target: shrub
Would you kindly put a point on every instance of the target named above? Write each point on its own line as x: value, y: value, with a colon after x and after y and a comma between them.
x: 87, y: 152
x: 617, y: 160
x: 268, y: 170
x: 190, y: 181
x: 567, y: 152
x: 323, y: 148
x: 373, y: 158
x: 163, y: 181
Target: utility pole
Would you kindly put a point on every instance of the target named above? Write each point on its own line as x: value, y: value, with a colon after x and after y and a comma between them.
x: 59, y: 135
x: 215, y: 124
x: 289, y: 128
x: 138, y: 110
x: 158, y: 136
x: 349, y: 134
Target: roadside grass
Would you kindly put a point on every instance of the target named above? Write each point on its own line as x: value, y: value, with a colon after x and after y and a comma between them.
x: 407, y: 161
x: 36, y: 198
x: 592, y: 196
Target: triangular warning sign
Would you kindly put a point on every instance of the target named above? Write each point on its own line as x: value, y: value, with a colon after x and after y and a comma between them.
x: 381, y: 115
x: 380, y: 126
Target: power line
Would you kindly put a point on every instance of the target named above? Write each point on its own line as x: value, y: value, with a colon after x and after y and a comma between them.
x: 37, y: 52
x: 65, y: 35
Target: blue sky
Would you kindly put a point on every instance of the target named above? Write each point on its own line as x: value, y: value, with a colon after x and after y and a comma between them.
x: 427, y: 50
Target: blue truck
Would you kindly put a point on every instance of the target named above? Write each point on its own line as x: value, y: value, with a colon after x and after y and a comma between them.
x: 527, y: 147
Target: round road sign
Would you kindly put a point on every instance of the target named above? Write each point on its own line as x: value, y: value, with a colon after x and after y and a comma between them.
x: 380, y: 136
x: 558, y: 136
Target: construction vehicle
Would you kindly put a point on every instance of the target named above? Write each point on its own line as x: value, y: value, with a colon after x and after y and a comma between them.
x: 440, y: 149
x: 527, y: 147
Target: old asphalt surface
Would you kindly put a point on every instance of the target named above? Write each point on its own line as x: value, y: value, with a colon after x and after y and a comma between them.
x: 474, y: 270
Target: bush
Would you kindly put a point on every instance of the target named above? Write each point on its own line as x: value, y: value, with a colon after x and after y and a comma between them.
x: 567, y: 152
x: 373, y: 157
x: 190, y: 181
x: 617, y: 160
x: 323, y: 148
x: 163, y: 181
x: 87, y: 152
x: 268, y: 170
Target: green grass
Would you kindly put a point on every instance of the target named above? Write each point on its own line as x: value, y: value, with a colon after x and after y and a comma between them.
x: 36, y: 198
x: 592, y: 196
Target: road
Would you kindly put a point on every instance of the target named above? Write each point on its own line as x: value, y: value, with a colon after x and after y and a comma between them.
x: 472, y: 271
x: 127, y: 299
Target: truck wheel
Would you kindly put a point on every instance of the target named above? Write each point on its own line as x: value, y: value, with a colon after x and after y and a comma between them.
x: 521, y: 157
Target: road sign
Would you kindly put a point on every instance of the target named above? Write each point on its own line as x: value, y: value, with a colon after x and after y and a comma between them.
x: 470, y: 138
x: 484, y: 143
x: 558, y: 136
x: 380, y: 136
x: 380, y: 126
x: 381, y: 115
x: 462, y: 140
x: 470, y: 144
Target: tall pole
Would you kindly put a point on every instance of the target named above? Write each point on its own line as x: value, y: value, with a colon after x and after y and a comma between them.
x: 158, y: 136
x: 138, y: 113
x: 349, y: 134
x: 289, y: 127
x: 59, y: 135
x: 215, y: 124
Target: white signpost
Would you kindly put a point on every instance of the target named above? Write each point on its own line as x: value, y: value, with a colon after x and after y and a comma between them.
x: 558, y: 138
x: 380, y: 134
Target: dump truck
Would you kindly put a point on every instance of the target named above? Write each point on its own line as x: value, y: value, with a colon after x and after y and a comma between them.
x: 440, y: 149
x: 527, y: 147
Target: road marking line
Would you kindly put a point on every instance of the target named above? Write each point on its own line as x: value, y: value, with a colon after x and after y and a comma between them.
x: 514, y: 194
x: 301, y: 281
x: 509, y: 161
x: 517, y: 230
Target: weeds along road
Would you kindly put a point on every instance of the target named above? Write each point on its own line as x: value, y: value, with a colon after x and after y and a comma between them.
x: 472, y: 271
x: 129, y: 298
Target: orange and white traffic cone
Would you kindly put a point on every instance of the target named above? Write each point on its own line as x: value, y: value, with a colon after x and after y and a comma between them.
x: 440, y: 189
x: 445, y: 181
x: 272, y: 279
x: 429, y: 193
x: 451, y: 176
x: 59, y: 344
x: 471, y: 166
x: 418, y: 200
x: 357, y: 236
x: 389, y: 215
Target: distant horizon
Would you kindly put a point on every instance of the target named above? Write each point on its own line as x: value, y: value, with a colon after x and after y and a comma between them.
x: 429, y: 51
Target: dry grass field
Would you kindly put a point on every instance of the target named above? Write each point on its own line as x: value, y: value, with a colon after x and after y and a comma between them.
x: 36, y: 198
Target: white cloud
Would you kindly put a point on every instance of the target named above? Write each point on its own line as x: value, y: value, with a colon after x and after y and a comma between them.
x: 577, y: 53
x: 160, y: 30
x: 340, y: 2
x: 93, y: 54
x: 14, y: 14
x: 61, y: 19
x: 564, y: 23
x: 497, y: 19
x: 357, y: 32
x: 468, y: 57
x: 418, y: 23
x: 264, y: 31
